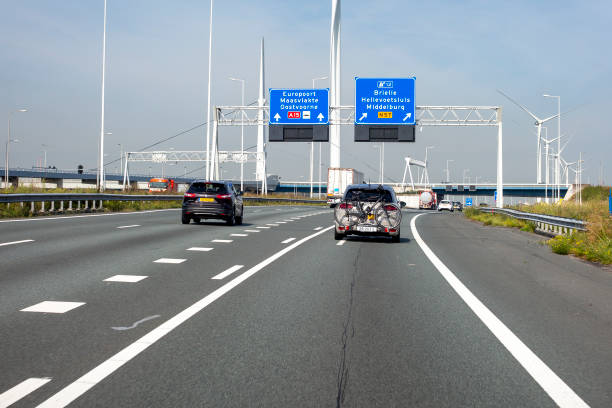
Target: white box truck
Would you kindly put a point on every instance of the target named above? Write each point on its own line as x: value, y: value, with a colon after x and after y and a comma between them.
x: 337, y: 181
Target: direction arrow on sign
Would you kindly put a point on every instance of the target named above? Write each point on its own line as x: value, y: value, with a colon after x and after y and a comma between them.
x: 277, y: 117
x: 365, y: 115
x: 320, y: 117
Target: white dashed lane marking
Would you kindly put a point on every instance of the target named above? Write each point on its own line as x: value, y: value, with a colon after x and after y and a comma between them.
x: 22, y: 389
x: 128, y: 226
x: 318, y: 228
x: 199, y: 249
x: 263, y: 227
x: 23, y: 241
x: 49, y: 306
x: 126, y: 278
x: 288, y: 240
x: 341, y: 243
x: 273, y: 225
x: 252, y: 231
x: 228, y: 272
x: 223, y: 241
x: 239, y: 235
x: 170, y: 260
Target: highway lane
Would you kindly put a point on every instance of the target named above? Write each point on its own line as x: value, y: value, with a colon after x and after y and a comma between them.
x: 367, y: 323
x: 72, y: 268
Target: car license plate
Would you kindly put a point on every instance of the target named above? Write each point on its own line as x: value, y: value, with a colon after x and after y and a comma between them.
x: 207, y: 200
x: 370, y: 217
x: 363, y: 228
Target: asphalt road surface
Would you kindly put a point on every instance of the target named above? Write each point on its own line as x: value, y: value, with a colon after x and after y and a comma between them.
x: 137, y: 310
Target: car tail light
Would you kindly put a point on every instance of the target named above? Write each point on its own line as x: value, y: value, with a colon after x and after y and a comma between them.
x: 392, y: 230
x: 346, y: 228
x: 345, y: 206
x: 189, y: 195
x: 224, y: 196
x: 390, y: 208
x: 386, y: 229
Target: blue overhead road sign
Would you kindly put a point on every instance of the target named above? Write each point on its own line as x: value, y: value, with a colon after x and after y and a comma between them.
x: 299, y: 106
x: 384, y: 101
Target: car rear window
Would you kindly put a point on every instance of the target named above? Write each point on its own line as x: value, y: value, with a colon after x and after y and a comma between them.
x: 359, y: 194
x: 207, y: 188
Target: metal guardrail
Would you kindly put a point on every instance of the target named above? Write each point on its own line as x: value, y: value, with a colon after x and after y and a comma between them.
x: 101, y: 197
x: 546, y: 223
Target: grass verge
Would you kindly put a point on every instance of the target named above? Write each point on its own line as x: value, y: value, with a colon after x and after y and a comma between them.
x: 498, y: 220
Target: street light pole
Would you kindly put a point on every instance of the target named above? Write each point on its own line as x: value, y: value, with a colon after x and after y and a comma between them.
x: 8, y: 142
x: 241, y: 136
x: 208, y: 158
x: 447, y: 170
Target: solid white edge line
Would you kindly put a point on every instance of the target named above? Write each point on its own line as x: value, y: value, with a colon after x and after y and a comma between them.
x: 22, y: 389
x: 67, y: 217
x: 228, y: 272
x: 80, y: 386
x: 17, y: 242
x: 554, y: 386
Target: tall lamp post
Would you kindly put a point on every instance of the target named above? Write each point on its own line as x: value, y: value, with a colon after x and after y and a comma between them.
x: 557, y: 163
x: 380, y: 160
x: 312, y: 151
x: 241, y: 136
x: 8, y: 142
x: 447, y: 170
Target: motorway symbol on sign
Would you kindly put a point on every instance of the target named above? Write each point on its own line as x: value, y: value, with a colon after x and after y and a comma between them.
x: 299, y: 106
x: 383, y: 101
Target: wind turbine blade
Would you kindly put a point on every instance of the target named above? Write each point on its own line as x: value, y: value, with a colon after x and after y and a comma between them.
x: 521, y: 106
x: 552, y: 117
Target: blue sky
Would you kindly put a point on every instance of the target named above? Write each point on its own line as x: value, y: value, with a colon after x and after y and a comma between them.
x: 460, y: 53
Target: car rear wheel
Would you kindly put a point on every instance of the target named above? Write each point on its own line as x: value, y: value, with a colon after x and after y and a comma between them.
x: 185, y: 219
x: 239, y: 219
x: 231, y: 219
x: 338, y: 236
x: 395, y: 238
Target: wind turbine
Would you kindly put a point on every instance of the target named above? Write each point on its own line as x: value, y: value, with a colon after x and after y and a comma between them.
x: 538, y: 124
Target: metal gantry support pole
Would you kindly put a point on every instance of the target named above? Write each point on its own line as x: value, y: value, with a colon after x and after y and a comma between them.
x: 500, y: 157
x: 101, y: 159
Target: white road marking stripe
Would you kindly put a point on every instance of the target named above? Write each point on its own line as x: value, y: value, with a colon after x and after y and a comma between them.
x: 223, y: 241
x: 128, y: 226
x: 199, y: 249
x: 17, y: 242
x: 80, y: 386
x: 341, y: 242
x: 88, y: 215
x: 125, y: 278
x: 170, y: 260
x: 49, y: 306
x: 22, y: 389
x: 554, y: 386
x: 228, y: 272
x: 318, y: 228
x: 288, y: 240
x: 252, y: 231
x: 239, y: 235
x: 273, y: 225
x: 263, y: 227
